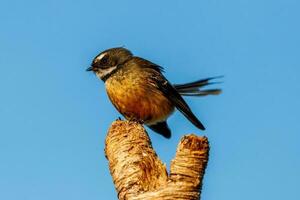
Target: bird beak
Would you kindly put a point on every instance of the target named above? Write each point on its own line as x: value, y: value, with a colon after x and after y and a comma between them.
x: 89, y: 69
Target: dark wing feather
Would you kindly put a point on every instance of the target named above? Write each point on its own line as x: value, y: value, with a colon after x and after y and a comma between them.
x: 168, y: 90
x: 171, y: 93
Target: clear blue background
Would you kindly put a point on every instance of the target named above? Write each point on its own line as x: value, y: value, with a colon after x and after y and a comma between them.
x: 54, y: 115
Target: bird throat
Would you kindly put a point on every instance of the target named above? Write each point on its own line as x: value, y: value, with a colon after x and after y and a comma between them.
x: 105, y: 73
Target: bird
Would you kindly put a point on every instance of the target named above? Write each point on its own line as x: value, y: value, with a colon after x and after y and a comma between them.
x: 140, y: 92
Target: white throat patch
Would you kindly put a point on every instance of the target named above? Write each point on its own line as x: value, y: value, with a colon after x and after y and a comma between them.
x: 104, y: 72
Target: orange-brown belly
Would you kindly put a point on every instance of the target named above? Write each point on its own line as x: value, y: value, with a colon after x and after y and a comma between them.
x: 138, y: 102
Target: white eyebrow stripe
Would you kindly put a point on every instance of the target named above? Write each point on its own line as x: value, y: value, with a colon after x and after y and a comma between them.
x: 100, y: 56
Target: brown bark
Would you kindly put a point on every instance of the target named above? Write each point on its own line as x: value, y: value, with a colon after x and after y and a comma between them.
x: 138, y: 173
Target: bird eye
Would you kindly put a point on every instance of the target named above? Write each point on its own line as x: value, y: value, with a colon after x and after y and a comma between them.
x: 104, y: 60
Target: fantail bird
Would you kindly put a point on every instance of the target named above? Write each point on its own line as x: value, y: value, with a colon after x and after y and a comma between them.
x: 140, y: 92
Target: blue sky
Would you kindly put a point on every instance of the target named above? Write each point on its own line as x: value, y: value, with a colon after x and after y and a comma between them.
x: 54, y: 115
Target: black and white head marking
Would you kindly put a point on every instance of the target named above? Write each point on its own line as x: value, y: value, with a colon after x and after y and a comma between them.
x: 108, y: 62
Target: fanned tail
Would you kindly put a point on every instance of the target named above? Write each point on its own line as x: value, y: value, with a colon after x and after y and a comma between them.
x: 195, y: 88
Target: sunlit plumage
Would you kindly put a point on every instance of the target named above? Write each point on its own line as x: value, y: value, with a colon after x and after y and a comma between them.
x: 140, y: 92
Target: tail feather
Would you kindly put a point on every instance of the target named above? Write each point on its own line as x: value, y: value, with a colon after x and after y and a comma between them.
x: 194, y: 88
x: 202, y: 92
x: 161, y: 128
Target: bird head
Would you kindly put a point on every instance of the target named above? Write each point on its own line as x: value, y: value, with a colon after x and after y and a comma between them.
x: 108, y: 61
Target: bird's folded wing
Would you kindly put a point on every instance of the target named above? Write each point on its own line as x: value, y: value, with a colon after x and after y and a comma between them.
x: 172, y: 94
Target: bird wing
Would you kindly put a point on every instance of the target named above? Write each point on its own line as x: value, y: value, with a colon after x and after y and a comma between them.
x: 168, y: 90
x: 171, y: 93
